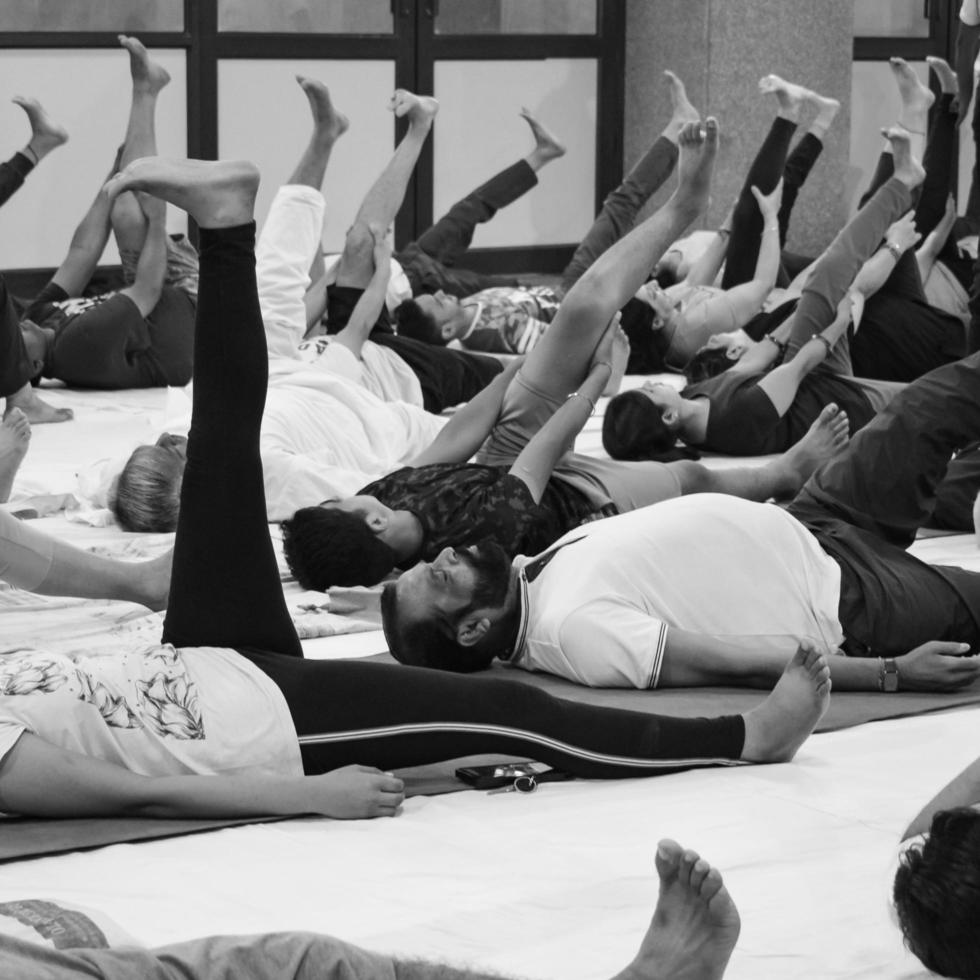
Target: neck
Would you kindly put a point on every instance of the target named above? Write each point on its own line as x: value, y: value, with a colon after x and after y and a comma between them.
x: 509, y: 619
x: 693, y: 426
x: 410, y: 536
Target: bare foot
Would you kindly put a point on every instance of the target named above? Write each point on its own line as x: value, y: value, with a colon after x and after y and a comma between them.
x: 916, y: 97
x: 789, y: 95
x: 148, y: 76
x: 695, y: 925
x: 907, y: 168
x: 420, y: 109
x: 944, y: 75
x: 151, y: 581
x: 698, y: 148
x: 15, y: 437
x: 37, y: 412
x: 45, y: 134
x: 215, y: 193
x: 682, y: 111
x: 547, y: 146
x: 825, y: 438
x: 780, y: 725
x: 327, y: 120
x: 827, y: 110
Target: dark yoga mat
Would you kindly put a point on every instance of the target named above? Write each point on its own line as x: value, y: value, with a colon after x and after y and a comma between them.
x: 26, y: 838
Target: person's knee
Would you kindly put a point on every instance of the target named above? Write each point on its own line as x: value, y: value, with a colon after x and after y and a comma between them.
x: 359, y: 243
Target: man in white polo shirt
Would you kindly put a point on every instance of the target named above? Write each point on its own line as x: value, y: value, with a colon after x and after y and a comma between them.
x: 712, y: 590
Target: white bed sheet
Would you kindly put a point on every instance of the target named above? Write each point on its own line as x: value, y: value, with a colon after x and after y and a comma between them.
x: 559, y: 883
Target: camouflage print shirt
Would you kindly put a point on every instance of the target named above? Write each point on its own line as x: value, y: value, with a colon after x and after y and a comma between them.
x: 463, y: 503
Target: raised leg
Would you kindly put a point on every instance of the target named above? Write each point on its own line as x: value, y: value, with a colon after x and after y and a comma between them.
x: 620, y: 208
x: 385, y: 197
x: 559, y: 361
x: 225, y: 588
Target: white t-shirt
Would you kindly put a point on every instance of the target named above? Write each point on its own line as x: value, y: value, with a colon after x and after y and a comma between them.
x: 158, y: 711
x: 970, y: 12
x: 601, y: 610
x: 379, y: 369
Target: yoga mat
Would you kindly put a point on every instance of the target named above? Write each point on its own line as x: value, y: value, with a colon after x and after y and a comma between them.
x: 25, y: 837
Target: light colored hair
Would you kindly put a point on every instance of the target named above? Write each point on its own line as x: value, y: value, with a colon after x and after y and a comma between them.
x: 146, y: 496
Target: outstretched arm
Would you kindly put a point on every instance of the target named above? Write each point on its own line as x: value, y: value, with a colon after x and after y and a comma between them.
x: 875, y: 272
x: 961, y: 790
x: 933, y: 243
x: 704, y: 271
x: 368, y: 307
x: 469, y: 427
x: 539, y: 457
x: 967, y: 48
x: 782, y: 383
x: 43, y: 780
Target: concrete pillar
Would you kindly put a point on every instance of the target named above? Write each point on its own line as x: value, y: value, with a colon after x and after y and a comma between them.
x: 721, y: 48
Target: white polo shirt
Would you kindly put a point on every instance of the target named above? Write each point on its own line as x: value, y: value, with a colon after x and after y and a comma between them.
x: 600, y: 612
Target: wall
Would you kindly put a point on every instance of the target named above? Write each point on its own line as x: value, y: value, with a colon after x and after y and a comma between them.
x: 721, y: 48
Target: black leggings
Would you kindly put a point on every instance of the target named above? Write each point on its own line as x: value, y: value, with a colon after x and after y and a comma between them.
x: 225, y: 592
x: 772, y: 163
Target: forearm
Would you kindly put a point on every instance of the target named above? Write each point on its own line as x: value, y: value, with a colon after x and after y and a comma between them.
x: 705, y: 270
x: 875, y: 272
x: 366, y: 312
x: 39, y: 779
x: 962, y: 790
x: 539, y: 457
x: 967, y: 47
x: 469, y: 427
x: 315, y: 300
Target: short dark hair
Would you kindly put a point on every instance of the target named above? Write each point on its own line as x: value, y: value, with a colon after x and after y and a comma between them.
x: 937, y: 895
x: 634, y: 428
x: 325, y: 546
x: 428, y: 643
x: 412, y: 321
x: 666, y: 276
x: 146, y: 494
x: 708, y: 362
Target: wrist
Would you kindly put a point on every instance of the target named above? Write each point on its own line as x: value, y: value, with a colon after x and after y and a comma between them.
x: 888, y: 676
x: 585, y: 398
x: 895, y: 249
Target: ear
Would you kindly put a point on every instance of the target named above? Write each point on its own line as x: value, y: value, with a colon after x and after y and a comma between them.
x: 447, y: 331
x: 378, y: 523
x: 734, y: 353
x: 671, y: 417
x: 471, y: 630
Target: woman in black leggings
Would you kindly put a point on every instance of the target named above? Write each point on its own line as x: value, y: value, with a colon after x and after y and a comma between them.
x: 229, y: 690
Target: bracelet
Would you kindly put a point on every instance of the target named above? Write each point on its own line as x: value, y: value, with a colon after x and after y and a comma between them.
x: 779, y: 343
x: 578, y: 394
x: 894, y: 249
x: 823, y: 340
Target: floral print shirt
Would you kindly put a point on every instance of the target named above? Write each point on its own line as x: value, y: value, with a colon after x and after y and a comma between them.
x: 510, y: 320
x: 157, y: 711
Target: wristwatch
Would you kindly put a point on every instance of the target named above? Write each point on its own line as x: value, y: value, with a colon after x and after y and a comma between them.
x: 888, y: 676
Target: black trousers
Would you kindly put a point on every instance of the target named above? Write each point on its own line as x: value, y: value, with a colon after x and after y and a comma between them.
x: 225, y: 592
x: 866, y: 504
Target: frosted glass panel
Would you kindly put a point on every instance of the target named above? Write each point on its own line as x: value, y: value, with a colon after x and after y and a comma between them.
x: 263, y: 116
x: 306, y: 16
x: 891, y: 18
x: 516, y: 17
x: 94, y: 108
x: 92, y: 15
x: 874, y: 103
x: 478, y: 132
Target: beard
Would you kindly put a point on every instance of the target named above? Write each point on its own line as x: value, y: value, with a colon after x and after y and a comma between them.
x: 491, y: 568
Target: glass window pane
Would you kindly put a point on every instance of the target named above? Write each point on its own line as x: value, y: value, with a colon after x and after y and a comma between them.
x: 263, y: 116
x: 306, y: 16
x: 93, y: 15
x: 516, y: 17
x: 478, y: 132
x: 87, y: 91
x: 890, y: 18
